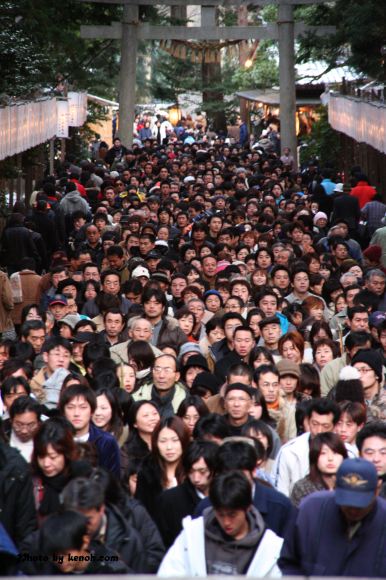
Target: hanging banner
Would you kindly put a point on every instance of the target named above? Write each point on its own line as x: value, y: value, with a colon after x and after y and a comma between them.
x: 363, y: 121
x: 26, y: 125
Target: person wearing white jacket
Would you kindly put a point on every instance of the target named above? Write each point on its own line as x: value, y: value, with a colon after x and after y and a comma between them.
x: 229, y: 539
x: 292, y: 462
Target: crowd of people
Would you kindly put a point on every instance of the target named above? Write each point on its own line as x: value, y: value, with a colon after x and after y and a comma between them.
x: 193, y: 342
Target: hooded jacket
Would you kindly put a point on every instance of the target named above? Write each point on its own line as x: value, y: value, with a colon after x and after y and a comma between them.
x: 73, y: 202
x: 188, y: 555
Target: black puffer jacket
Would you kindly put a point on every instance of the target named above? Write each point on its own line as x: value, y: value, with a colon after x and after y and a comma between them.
x: 154, y: 550
x: 17, y: 506
x: 124, y: 539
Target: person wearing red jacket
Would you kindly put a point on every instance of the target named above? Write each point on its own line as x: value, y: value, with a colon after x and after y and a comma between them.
x: 363, y: 191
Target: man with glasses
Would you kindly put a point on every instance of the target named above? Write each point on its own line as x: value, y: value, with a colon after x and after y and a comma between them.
x: 369, y: 363
x: 25, y: 420
x: 166, y: 390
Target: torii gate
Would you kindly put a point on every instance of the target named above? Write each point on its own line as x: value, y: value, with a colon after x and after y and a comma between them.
x: 130, y: 31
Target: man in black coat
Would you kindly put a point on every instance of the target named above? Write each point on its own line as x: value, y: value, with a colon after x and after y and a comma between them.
x: 106, y: 524
x: 345, y: 207
x: 17, y: 505
x: 181, y: 501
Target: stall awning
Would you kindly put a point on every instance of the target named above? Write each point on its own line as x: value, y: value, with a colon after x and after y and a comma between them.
x: 272, y: 97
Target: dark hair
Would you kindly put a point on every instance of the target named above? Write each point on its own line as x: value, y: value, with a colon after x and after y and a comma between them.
x: 259, y: 425
x: 87, y: 283
x: 235, y: 455
x: 55, y: 342
x: 83, y: 494
x: 26, y: 310
x: 356, y: 411
x: 10, y: 384
x: 62, y: 532
x: 212, y: 324
x: 241, y: 369
x: 334, y: 442
x: 374, y: 429
x: 231, y: 316
x: 359, y: 338
x: 142, y: 354
x: 323, y: 407
x: 192, y: 401
x: 261, y: 350
x: 211, y: 426
x: 309, y: 380
x: 12, y: 365
x: 200, y: 449
x: 115, y: 426
x: 74, y: 391
x: 24, y: 404
x: 31, y: 325
x: 263, y: 370
x: 231, y: 490
x: 177, y: 425
x: 156, y: 293
x: 106, y: 273
x: 94, y: 351
x: 326, y: 342
x: 316, y: 327
x: 135, y: 407
x: 59, y: 433
x: 22, y: 350
x: 360, y: 309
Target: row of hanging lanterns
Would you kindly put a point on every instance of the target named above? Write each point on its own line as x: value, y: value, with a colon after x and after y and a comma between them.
x: 26, y: 125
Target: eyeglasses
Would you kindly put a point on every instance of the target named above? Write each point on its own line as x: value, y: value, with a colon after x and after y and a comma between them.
x: 363, y: 370
x: 28, y: 426
x: 167, y: 370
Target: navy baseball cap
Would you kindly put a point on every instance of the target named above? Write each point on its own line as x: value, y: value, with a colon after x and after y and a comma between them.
x: 356, y: 483
x: 58, y: 299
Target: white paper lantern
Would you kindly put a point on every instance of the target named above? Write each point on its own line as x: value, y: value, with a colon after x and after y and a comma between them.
x: 62, y: 118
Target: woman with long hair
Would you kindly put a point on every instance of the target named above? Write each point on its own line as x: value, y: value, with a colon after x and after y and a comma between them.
x: 53, y: 463
x: 143, y: 418
x: 191, y: 410
x: 327, y: 451
x: 162, y: 469
x: 108, y: 414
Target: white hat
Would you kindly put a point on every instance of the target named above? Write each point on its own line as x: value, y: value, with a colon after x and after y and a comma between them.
x: 189, y: 179
x: 140, y: 271
x: 338, y: 188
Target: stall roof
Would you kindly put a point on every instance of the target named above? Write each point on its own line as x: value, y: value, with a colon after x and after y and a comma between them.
x: 102, y: 101
x: 272, y: 97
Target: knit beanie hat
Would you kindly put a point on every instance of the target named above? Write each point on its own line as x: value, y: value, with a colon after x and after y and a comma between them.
x: 371, y: 358
x: 349, y: 387
x: 318, y: 216
x: 373, y: 253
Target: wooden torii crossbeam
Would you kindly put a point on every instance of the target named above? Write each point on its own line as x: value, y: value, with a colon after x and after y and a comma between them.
x: 130, y: 31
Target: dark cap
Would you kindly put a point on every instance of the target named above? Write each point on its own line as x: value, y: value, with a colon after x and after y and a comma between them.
x: 356, y: 483
x: 83, y: 337
x: 196, y: 360
x: 238, y: 387
x: 58, y: 299
x: 208, y: 381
